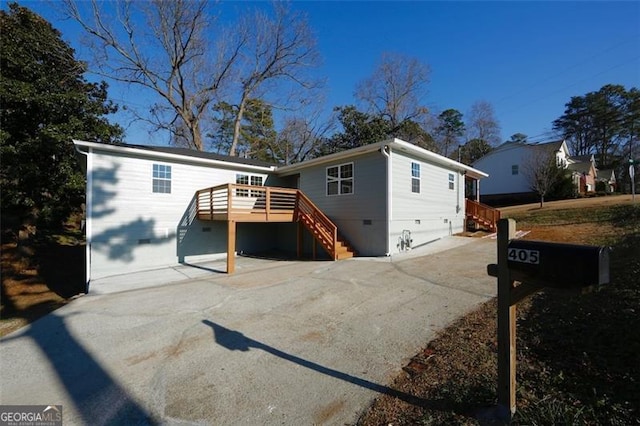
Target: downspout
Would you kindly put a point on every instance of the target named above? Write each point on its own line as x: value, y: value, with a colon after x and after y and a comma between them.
x: 88, y: 213
x: 458, y: 193
x: 386, y: 151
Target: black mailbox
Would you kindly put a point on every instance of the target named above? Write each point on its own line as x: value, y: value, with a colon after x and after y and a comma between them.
x: 558, y: 265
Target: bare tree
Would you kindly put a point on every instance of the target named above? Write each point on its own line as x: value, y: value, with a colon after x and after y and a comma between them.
x: 395, y: 89
x: 482, y: 123
x: 301, y: 137
x: 278, y: 49
x: 541, y: 170
x: 161, y: 46
x: 171, y: 48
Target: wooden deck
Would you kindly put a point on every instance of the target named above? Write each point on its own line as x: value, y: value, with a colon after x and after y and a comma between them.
x: 235, y: 203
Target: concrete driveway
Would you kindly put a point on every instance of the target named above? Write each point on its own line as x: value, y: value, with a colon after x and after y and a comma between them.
x: 279, y: 342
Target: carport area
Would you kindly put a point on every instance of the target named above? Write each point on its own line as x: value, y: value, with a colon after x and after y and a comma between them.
x: 279, y: 342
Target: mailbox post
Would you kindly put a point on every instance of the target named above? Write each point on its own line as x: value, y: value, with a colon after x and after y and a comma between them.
x: 506, y: 322
x: 534, y: 265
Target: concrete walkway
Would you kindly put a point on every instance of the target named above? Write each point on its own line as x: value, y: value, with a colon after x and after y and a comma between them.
x: 279, y: 342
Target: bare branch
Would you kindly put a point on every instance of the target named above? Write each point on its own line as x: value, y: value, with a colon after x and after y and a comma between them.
x: 395, y: 89
x: 163, y: 47
x: 541, y: 170
x: 278, y: 51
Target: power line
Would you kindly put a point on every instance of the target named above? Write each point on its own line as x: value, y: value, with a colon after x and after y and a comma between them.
x: 564, y: 71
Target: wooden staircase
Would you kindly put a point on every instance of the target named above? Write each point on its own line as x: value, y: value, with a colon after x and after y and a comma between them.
x: 482, y: 215
x: 322, y: 228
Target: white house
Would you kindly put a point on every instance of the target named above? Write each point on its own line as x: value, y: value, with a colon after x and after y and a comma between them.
x: 506, y: 167
x: 149, y: 207
x: 507, y: 164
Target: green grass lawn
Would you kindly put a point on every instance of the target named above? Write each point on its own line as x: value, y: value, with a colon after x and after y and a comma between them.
x: 578, y: 355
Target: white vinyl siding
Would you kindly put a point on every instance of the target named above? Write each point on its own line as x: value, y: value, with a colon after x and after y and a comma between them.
x: 433, y: 214
x: 361, y: 216
x: 134, y: 229
x: 501, y: 165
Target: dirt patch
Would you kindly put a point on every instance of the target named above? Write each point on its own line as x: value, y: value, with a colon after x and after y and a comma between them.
x: 576, y: 233
x: 570, y: 204
x: 38, y: 276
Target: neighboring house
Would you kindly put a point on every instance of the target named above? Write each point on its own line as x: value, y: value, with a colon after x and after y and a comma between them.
x: 583, y: 172
x: 149, y: 207
x: 507, y: 164
x: 608, y: 178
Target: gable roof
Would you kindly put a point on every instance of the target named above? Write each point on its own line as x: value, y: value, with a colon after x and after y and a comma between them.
x: 173, y: 153
x: 394, y: 144
x: 607, y: 175
x: 583, y: 167
x: 551, y: 147
x: 581, y: 158
x: 554, y: 145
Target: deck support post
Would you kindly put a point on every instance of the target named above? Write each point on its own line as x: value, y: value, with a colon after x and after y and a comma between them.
x: 300, y: 234
x: 231, y: 246
x: 314, y: 249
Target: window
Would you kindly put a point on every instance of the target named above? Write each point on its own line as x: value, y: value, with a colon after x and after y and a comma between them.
x: 415, y: 177
x: 162, y: 179
x: 452, y: 180
x: 340, y: 179
x: 242, y: 180
x: 256, y: 181
x: 253, y: 180
x: 515, y: 169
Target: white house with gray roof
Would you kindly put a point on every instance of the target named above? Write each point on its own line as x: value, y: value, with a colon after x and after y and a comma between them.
x: 150, y: 207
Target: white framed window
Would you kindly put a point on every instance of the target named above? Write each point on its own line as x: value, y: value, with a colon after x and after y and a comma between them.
x: 245, y: 179
x: 255, y: 181
x: 161, y: 182
x: 452, y: 181
x: 515, y: 169
x: 415, y: 177
x: 340, y: 179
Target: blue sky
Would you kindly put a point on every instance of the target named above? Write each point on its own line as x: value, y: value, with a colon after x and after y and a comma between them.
x: 525, y: 58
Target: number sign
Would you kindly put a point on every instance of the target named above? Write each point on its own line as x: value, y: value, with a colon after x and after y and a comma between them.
x: 524, y: 256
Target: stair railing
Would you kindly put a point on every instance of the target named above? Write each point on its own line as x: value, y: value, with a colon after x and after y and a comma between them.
x: 487, y: 214
x: 322, y: 228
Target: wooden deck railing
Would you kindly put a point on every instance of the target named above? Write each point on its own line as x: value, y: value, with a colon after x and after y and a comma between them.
x: 483, y: 214
x: 247, y: 203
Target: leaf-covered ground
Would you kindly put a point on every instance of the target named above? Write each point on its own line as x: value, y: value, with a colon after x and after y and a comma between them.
x: 578, y: 355
x: 39, y: 275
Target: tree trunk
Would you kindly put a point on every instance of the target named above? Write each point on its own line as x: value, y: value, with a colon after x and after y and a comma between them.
x: 236, y: 125
x: 541, y: 201
x: 197, y: 136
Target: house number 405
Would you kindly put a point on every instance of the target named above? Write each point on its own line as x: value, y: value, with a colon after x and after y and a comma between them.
x: 524, y: 256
